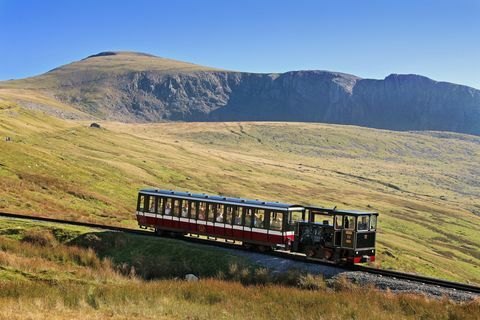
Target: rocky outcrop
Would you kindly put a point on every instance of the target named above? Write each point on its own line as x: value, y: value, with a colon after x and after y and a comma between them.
x: 399, y: 102
x: 114, y: 87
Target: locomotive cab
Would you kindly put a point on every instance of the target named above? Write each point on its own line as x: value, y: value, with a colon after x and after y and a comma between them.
x: 337, y: 235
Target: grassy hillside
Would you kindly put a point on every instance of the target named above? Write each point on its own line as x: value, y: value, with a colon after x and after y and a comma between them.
x: 425, y: 185
x: 54, y: 272
x: 97, y: 67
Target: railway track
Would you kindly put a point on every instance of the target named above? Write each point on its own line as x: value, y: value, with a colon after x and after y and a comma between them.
x: 282, y: 254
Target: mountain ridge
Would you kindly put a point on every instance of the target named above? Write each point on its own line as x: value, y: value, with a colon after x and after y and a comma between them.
x: 138, y: 87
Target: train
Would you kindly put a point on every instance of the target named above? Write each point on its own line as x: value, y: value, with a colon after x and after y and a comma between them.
x: 328, y: 234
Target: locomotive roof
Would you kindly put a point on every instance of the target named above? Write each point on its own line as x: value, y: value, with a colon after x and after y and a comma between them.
x: 222, y: 199
x: 335, y: 211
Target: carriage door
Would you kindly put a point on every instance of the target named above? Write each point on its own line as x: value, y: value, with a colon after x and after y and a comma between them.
x: 338, y: 225
x: 348, y: 231
x: 247, y: 227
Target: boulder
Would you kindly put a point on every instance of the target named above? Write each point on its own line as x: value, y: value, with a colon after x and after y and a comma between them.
x: 191, y: 277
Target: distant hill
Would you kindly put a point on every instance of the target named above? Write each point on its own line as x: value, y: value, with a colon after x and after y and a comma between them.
x: 129, y: 86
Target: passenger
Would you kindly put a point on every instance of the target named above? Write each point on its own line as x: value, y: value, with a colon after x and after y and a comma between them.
x: 277, y: 223
x: 220, y: 217
x: 248, y: 220
x: 201, y: 215
x: 258, y: 221
x: 168, y: 209
x: 184, y: 212
x: 238, y: 220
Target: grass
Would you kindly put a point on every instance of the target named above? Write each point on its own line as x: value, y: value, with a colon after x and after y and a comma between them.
x: 423, y: 184
x: 64, y: 272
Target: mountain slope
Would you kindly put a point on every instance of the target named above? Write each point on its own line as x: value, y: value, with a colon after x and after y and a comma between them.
x: 130, y: 86
x: 425, y: 185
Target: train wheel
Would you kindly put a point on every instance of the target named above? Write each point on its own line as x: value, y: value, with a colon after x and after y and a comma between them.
x: 247, y: 245
x: 176, y: 235
x: 327, y: 254
x: 263, y: 249
x: 310, y: 252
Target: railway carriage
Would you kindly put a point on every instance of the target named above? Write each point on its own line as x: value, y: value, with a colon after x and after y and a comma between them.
x: 340, y: 236
x: 256, y: 223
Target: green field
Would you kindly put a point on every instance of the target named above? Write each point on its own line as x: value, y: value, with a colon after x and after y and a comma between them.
x: 425, y: 185
x: 56, y: 271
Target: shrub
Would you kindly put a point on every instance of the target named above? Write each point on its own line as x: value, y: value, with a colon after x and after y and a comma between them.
x: 311, y: 282
x: 40, y: 237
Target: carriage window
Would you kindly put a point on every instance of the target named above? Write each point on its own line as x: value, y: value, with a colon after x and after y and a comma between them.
x: 338, y: 222
x: 229, y: 214
x: 176, y: 207
x: 202, y: 210
x: 184, y: 209
x: 258, y: 218
x: 160, y: 205
x: 220, y: 215
x: 140, y: 203
x: 373, y: 222
x: 295, y: 216
x: 237, y: 216
x: 211, y: 212
x: 248, y: 217
x: 146, y: 202
x: 193, y: 210
x: 153, y: 204
x: 363, y: 223
x: 276, y: 220
x: 349, y: 222
x: 168, y: 206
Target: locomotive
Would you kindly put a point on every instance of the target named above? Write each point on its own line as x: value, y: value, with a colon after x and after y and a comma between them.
x: 338, y: 236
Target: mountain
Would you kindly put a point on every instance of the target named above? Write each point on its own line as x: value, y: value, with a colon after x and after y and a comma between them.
x: 129, y: 86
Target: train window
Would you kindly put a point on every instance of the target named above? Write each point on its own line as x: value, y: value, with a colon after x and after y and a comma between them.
x: 140, y: 202
x: 349, y: 222
x: 363, y: 223
x: 323, y: 219
x: 338, y: 222
x: 237, y: 216
x: 373, y: 222
x: 168, y: 206
x: 259, y: 217
x: 295, y: 216
x: 193, y: 210
x: 276, y: 220
x: 176, y: 207
x: 146, y: 202
x: 202, y: 210
x: 153, y: 204
x: 160, y: 204
x: 211, y: 212
x: 184, y: 209
x: 220, y: 214
x: 248, y: 217
x: 229, y: 214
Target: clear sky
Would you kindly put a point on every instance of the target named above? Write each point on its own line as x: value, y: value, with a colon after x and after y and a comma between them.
x: 436, y: 38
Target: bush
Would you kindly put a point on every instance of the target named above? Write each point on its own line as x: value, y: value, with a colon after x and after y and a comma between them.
x: 40, y: 237
x: 312, y: 282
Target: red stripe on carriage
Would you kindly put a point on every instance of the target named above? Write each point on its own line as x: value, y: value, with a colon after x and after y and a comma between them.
x: 215, y: 230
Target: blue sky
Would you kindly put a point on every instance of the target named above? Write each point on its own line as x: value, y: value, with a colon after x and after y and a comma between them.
x: 436, y: 38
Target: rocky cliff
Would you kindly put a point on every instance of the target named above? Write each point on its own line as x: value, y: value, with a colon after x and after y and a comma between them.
x: 133, y: 87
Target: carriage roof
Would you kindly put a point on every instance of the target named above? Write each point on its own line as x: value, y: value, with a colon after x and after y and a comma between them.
x: 223, y: 200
